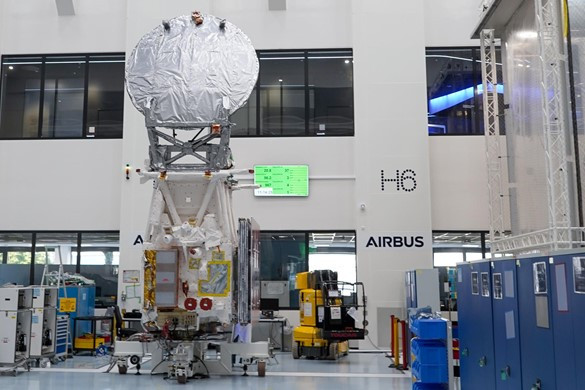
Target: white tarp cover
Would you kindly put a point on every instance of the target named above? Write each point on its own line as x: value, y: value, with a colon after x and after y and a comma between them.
x: 182, y: 75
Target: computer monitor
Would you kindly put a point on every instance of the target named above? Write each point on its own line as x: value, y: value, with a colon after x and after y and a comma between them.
x: 269, y: 304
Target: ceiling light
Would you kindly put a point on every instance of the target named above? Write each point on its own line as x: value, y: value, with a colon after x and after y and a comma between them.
x: 527, y: 34
x: 347, y: 61
x: 11, y: 67
x: 280, y: 80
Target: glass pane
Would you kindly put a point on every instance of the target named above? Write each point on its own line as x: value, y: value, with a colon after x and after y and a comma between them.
x: 52, y: 249
x: 334, y: 251
x: 331, y: 93
x: 452, y: 87
x: 245, y: 118
x: 472, y: 256
x: 447, y: 259
x: 100, y: 257
x: 63, y: 99
x: 282, y: 93
x: 105, y: 99
x: 282, y: 256
x: 21, y: 81
x: 17, y: 251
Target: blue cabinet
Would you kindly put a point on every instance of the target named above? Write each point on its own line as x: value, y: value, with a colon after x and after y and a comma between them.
x: 85, y: 296
x: 476, y: 343
x: 506, y: 328
x: 568, y: 311
x: 536, y: 327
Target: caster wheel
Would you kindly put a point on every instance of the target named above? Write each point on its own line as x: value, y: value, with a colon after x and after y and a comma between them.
x: 262, y: 368
x: 332, y: 351
x: 134, y: 359
x: 122, y: 370
x: 182, y: 379
x: 296, y: 351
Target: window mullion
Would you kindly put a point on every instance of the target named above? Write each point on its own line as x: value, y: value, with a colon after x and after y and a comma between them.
x: 85, y: 98
x: 42, y: 97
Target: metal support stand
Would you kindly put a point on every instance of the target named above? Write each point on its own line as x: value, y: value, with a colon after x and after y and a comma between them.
x: 165, y: 150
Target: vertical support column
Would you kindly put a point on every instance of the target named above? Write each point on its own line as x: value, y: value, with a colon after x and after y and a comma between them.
x: 554, y: 110
x: 492, y: 136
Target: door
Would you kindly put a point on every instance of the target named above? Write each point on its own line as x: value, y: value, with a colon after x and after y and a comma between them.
x: 536, y: 341
x: 474, y: 310
x: 506, y: 332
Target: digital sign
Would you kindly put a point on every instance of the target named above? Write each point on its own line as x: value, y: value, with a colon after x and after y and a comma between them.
x: 281, y: 180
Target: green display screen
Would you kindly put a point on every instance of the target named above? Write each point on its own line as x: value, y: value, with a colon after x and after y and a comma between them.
x: 281, y: 180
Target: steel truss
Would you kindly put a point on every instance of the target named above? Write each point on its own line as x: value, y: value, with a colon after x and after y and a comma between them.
x: 554, y: 109
x: 492, y: 134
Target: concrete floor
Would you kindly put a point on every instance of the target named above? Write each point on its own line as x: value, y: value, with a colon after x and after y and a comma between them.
x: 356, y: 371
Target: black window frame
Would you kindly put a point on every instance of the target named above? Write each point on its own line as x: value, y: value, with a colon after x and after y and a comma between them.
x: 305, y: 53
x: 43, y: 58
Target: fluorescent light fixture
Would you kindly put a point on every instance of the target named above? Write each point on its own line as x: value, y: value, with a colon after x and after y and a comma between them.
x: 527, y: 34
x: 281, y: 58
x: 441, y: 103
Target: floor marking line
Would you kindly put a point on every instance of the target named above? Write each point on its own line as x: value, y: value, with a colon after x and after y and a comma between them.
x: 337, y: 374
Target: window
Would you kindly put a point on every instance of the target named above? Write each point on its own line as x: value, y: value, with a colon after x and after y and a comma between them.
x: 100, y: 258
x: 105, y: 96
x: 16, y: 251
x: 454, y: 90
x: 53, y: 249
x: 94, y: 255
x: 284, y: 254
x: 330, y: 93
x: 62, y: 96
x: 334, y: 251
x: 302, y: 93
x: 282, y: 93
x: 452, y: 247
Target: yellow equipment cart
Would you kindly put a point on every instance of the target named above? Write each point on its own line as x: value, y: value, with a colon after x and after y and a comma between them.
x: 328, y: 312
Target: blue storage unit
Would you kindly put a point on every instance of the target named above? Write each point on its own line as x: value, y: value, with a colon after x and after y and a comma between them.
x: 85, y: 296
x: 429, y: 352
x: 428, y: 386
x: 506, y: 327
x: 476, y: 344
x: 568, y: 311
x: 536, y: 327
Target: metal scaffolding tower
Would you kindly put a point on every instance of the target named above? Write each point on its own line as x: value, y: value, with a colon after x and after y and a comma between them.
x: 554, y: 111
x: 492, y: 135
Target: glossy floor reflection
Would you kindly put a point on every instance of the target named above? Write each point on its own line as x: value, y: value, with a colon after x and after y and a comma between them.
x: 356, y: 371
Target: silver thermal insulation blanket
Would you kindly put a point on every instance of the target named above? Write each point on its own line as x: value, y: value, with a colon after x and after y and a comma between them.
x: 185, y: 73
